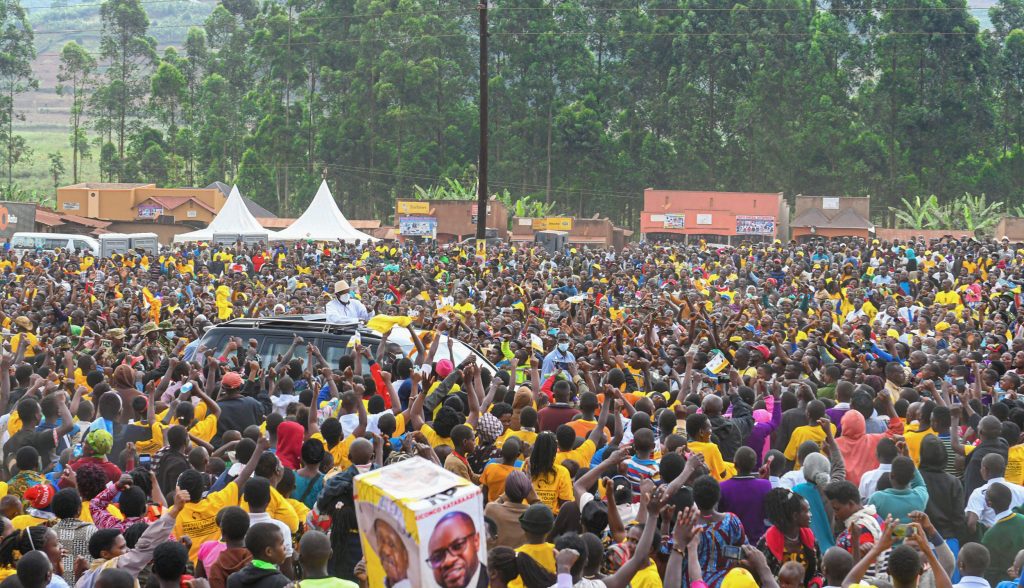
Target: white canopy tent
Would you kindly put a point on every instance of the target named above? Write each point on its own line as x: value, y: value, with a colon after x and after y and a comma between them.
x: 322, y: 221
x: 233, y: 219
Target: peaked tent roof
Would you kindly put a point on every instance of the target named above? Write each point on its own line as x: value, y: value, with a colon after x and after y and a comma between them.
x: 322, y: 221
x: 234, y: 218
x: 810, y: 218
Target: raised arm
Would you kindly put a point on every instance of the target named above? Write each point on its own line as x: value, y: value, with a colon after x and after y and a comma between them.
x: 622, y: 577
x: 587, y: 480
x: 360, y: 429
x: 471, y: 395
x: 213, y: 407
x: 415, y: 410
x: 421, y: 351
x: 250, y: 466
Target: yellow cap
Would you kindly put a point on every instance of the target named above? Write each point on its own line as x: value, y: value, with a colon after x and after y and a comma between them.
x: 942, y: 326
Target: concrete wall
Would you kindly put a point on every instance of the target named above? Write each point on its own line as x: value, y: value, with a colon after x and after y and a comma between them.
x: 455, y: 218
x: 860, y: 204
x: 721, y: 207
x: 1011, y: 227
x: 801, y: 232
x: 119, y: 202
x: 165, y: 233
x: 906, y: 234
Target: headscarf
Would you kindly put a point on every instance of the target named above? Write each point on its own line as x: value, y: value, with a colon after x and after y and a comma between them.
x: 99, y: 442
x: 289, y: 444
x: 857, y: 447
x: 816, y: 469
x: 489, y: 428
x: 522, y: 399
x: 224, y: 306
x: 124, y: 377
x: 518, y: 483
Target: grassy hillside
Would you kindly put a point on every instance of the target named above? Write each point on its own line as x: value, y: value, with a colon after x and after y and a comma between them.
x: 45, y: 124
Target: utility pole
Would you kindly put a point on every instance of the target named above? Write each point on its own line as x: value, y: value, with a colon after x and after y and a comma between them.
x: 481, y: 196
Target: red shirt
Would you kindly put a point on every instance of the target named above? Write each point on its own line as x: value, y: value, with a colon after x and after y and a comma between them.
x: 113, y: 472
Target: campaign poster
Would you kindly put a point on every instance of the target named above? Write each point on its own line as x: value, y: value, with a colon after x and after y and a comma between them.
x: 755, y: 225
x: 421, y: 525
x: 418, y: 226
x: 675, y: 221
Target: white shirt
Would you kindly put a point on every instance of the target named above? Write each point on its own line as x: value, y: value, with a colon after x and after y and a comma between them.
x: 344, y: 313
x: 791, y: 479
x: 972, y: 582
x: 262, y: 517
x: 869, y: 481
x: 349, y: 422
x: 987, y: 516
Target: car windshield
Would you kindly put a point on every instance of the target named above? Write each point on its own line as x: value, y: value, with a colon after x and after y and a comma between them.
x: 460, y: 350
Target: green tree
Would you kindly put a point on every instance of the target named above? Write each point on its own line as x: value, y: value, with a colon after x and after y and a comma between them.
x: 129, y: 51
x: 17, y: 51
x: 57, y: 170
x: 75, y: 77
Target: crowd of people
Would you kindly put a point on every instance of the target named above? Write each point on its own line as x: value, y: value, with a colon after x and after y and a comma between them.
x: 771, y: 414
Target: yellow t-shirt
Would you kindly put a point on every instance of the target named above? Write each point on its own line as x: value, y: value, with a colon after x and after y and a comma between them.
x: 542, y: 553
x: 805, y: 433
x: 155, y: 442
x: 581, y: 455
x: 198, y: 520
x: 647, y: 577
x: 1015, y: 465
x: 554, y: 487
x: 339, y: 452
x: 914, y: 439
x: 205, y: 429
x: 301, y: 510
x: 32, y: 343
x: 494, y: 478
x: 720, y: 469
x: 434, y: 439
x: 947, y: 298
x: 527, y: 436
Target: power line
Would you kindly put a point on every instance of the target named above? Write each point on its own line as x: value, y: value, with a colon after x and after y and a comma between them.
x: 680, y: 34
x: 650, y: 11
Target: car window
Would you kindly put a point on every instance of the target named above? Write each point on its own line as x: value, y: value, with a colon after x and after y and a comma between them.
x: 460, y: 350
x: 51, y: 244
x: 274, y: 347
x: 82, y: 245
x: 335, y: 349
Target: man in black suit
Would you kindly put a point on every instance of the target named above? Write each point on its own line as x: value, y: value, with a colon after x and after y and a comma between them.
x: 453, y: 553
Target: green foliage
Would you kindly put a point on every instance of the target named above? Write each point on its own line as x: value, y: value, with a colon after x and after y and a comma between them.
x: 591, y: 101
x: 975, y: 214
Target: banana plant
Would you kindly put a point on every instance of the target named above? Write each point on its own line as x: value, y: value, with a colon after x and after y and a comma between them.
x: 921, y: 213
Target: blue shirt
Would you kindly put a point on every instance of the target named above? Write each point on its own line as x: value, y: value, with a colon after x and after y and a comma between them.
x: 556, y: 361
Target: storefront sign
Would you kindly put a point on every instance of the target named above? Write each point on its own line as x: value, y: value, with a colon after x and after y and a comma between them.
x: 674, y: 221
x: 412, y: 207
x: 755, y: 225
x: 418, y: 226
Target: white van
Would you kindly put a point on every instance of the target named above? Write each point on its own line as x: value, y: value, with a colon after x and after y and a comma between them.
x: 48, y: 242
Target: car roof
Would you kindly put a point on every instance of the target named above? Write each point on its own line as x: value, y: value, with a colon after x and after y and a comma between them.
x: 304, y: 323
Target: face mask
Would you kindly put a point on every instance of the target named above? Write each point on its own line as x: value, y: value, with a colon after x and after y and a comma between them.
x: 343, y: 298
x: 563, y: 347
x: 170, y: 335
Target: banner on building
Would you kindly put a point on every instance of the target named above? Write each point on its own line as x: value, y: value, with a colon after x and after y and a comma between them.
x: 755, y: 225
x: 675, y: 221
x: 413, y: 207
x: 150, y: 211
x: 418, y: 226
x: 16, y: 217
x: 555, y: 223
